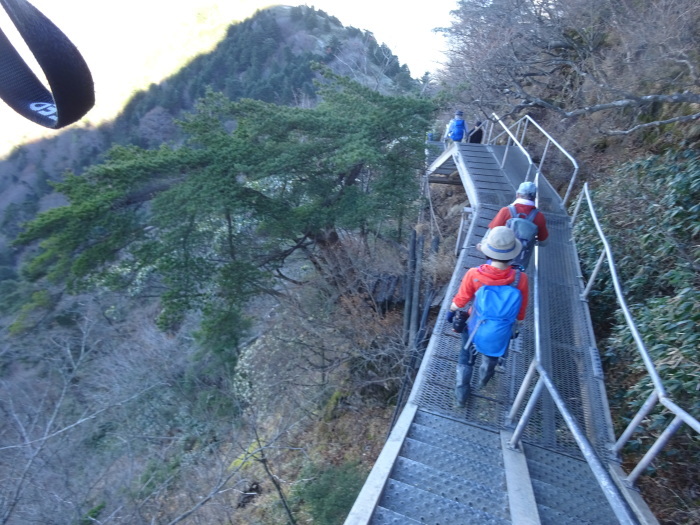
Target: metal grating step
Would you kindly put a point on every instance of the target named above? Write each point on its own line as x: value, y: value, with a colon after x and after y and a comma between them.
x: 567, y: 485
x: 383, y: 516
x: 431, y: 509
x: 456, y: 488
x: 579, y: 507
x: 471, y: 467
x: 452, y: 444
x: 479, y: 436
x: 550, y: 516
x: 544, y: 460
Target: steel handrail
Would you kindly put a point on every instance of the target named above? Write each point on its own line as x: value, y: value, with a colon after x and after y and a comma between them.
x: 524, y: 122
x: 659, y: 395
x: 613, y: 495
x: 512, y: 139
x: 617, y: 501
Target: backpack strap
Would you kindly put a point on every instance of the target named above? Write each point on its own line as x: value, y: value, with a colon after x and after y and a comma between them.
x: 71, y: 93
x: 531, y: 216
x: 516, y: 281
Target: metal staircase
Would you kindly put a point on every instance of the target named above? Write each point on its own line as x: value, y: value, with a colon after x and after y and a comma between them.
x: 498, y: 460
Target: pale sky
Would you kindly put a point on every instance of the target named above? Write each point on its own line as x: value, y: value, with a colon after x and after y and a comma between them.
x: 114, y: 36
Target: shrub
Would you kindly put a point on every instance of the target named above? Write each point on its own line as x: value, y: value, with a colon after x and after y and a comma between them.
x: 331, y: 493
x: 650, y: 212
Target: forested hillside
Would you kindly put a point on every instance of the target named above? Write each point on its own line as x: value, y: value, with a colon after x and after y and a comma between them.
x: 267, y: 57
x: 190, y: 314
x: 192, y: 328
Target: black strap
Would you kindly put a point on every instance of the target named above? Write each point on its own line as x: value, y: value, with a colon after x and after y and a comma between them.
x: 72, y: 92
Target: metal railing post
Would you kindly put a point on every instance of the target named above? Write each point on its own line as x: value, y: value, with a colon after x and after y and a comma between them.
x: 529, y: 409
x: 660, y: 443
x: 647, y: 407
x: 544, y: 152
x: 591, y: 280
x: 522, y: 392
x: 578, y: 206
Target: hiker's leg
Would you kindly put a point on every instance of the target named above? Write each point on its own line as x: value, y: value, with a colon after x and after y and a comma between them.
x: 465, y: 366
x: 502, y: 359
x: 487, y: 369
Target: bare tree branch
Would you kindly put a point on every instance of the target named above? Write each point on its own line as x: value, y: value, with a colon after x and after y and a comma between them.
x: 655, y: 123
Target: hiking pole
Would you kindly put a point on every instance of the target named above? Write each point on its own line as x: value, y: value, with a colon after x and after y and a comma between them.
x: 471, y: 338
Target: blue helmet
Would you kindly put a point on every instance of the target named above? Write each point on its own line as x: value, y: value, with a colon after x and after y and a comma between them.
x: 527, y: 188
x: 459, y: 113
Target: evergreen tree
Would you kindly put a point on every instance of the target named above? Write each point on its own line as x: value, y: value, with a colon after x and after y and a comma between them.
x: 206, y: 225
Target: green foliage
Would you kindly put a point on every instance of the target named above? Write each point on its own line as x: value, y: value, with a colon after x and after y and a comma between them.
x: 7, y: 272
x: 330, y: 409
x: 651, y: 215
x: 157, y: 474
x: 39, y: 303
x: 205, y: 225
x: 654, y: 257
x: 331, y: 492
x: 92, y: 515
x: 670, y: 327
x: 14, y: 293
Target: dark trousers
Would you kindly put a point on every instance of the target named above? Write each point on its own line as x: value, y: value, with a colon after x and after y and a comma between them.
x: 465, y: 367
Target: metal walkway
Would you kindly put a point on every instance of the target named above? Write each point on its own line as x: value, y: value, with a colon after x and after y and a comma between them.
x: 445, y: 465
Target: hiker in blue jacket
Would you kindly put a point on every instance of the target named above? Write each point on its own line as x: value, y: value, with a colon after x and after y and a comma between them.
x: 456, y: 129
x: 500, y: 326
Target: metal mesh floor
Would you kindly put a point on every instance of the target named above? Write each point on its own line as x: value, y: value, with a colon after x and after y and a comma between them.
x: 568, y: 347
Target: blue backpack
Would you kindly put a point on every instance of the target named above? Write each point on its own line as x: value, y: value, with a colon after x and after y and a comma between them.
x: 493, y: 316
x: 457, y: 130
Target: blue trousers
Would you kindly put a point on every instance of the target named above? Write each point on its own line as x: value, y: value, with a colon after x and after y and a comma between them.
x: 465, y: 367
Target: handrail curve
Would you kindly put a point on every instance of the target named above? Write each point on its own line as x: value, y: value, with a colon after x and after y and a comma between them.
x: 522, y: 125
x: 660, y: 395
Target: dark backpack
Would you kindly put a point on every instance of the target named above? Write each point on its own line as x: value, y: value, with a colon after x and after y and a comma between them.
x: 493, y: 317
x: 476, y: 136
x: 457, y: 130
x: 525, y: 231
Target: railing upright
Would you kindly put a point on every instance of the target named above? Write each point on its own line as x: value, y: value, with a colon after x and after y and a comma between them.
x: 659, y: 395
x: 516, y: 134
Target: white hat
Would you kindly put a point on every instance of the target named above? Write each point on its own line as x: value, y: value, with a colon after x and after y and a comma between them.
x: 501, y: 244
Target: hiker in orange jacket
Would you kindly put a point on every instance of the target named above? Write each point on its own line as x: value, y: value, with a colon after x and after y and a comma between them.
x: 501, y: 247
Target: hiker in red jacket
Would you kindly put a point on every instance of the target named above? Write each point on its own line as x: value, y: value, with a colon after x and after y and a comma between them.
x: 524, y: 204
x: 501, y: 247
